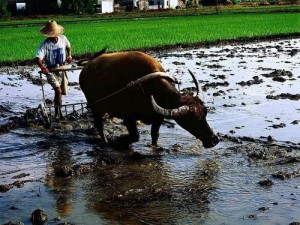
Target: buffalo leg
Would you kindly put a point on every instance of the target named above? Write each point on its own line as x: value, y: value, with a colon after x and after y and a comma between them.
x: 98, y: 123
x: 155, y: 131
x: 126, y: 140
x: 132, y: 130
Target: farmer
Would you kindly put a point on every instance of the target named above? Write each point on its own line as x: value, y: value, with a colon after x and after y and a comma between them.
x: 52, y: 54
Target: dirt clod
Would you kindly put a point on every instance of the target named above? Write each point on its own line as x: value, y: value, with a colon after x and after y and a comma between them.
x: 266, y: 182
x: 286, y: 175
x: 294, y: 223
x: 264, y: 209
x: 21, y: 175
x: 289, y: 96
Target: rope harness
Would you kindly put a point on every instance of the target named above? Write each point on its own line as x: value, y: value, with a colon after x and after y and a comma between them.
x: 135, y: 83
x: 132, y: 84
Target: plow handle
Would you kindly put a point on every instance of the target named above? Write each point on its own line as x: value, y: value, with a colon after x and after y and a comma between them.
x: 42, y: 87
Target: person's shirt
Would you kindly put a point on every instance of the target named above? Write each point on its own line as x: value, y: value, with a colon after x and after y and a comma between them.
x: 53, y: 53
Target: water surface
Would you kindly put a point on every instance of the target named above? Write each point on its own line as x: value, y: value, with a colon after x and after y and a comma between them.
x: 181, y: 183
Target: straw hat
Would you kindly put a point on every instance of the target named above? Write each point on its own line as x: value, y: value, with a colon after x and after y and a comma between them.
x: 52, y: 29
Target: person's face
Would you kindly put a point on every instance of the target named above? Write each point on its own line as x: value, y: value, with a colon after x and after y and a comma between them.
x: 53, y: 39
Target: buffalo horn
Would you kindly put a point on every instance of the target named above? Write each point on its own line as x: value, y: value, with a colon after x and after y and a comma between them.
x: 197, y: 85
x: 181, y: 111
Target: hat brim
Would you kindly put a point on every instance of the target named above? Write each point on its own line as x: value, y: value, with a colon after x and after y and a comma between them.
x: 52, y: 33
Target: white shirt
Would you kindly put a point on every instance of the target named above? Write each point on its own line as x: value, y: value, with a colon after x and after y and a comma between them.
x: 53, y: 53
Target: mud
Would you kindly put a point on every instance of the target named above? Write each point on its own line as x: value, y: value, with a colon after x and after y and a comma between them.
x: 289, y: 96
x: 17, y: 184
x: 251, y: 177
x: 286, y: 175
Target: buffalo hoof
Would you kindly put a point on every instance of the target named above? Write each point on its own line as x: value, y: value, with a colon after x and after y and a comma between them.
x: 122, y: 142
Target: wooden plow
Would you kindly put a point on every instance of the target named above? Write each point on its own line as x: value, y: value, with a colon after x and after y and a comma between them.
x: 72, y: 109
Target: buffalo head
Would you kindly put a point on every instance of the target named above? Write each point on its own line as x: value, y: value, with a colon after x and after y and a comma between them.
x: 192, y: 117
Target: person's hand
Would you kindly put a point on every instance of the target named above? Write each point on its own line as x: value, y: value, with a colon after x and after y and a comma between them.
x: 69, y: 59
x: 44, y: 70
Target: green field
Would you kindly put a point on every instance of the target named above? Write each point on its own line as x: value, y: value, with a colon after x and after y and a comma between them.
x: 150, y: 14
x: 21, y: 43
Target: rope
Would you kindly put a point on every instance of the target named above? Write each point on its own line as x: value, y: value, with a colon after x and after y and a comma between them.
x: 132, y: 84
x: 137, y: 82
x: 108, y: 96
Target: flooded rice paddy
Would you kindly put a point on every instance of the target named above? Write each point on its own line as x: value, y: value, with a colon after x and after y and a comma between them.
x: 251, y: 177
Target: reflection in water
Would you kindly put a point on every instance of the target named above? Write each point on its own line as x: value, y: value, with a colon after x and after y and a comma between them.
x: 163, y: 190
x: 57, y: 171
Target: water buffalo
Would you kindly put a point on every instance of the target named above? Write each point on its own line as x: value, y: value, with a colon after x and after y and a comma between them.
x: 119, y: 84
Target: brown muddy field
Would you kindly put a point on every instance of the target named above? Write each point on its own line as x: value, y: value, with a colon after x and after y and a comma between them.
x: 251, y: 177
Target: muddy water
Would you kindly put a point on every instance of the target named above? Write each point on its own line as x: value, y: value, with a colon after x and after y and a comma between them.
x: 180, y: 182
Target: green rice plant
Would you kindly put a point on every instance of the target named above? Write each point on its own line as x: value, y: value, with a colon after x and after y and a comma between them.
x: 19, y: 44
x: 149, y: 14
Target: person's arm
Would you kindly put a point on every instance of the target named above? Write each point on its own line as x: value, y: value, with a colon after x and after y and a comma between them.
x: 69, y: 54
x: 41, y: 52
x: 39, y: 62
